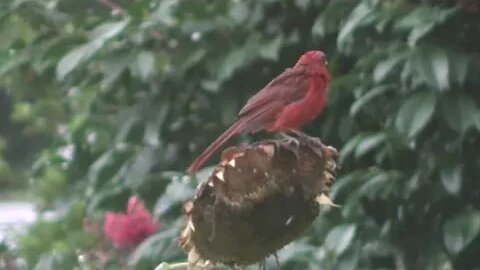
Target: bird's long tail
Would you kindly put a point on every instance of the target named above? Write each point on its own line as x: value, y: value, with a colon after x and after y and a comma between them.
x: 236, y: 128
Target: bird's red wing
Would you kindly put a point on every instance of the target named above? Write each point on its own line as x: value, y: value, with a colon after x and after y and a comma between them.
x: 290, y: 86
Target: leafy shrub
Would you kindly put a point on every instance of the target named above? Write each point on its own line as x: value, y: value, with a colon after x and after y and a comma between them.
x: 137, y: 88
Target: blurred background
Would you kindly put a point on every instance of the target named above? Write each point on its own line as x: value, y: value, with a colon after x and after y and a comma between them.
x: 101, y: 100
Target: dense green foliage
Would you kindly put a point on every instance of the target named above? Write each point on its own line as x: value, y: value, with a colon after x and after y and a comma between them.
x: 129, y: 91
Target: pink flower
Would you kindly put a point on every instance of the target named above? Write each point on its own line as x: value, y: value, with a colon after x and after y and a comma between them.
x: 130, y: 229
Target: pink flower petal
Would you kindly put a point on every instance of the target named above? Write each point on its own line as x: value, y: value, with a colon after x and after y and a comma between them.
x: 126, y: 230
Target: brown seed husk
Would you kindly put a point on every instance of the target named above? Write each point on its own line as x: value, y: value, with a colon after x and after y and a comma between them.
x: 259, y: 198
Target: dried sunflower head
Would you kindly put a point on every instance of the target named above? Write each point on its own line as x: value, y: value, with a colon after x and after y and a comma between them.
x: 258, y: 198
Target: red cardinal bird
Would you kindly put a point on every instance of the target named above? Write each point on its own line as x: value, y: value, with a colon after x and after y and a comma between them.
x: 291, y: 100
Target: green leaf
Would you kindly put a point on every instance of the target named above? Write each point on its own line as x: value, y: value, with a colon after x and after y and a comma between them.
x: 331, y: 18
x: 75, y: 57
x: 451, y: 176
x: 296, y: 249
x: 10, y: 62
x: 47, y: 262
x: 107, y: 30
x: 346, y: 184
x: 459, y: 112
x: 113, y: 68
x: 233, y: 61
x: 271, y: 49
x: 54, y: 261
x: 136, y: 173
x: 78, y: 55
x: 302, y: 4
x: 418, y: 32
x: 369, y: 143
x: 434, y: 257
x: 15, y: 29
x: 422, y: 21
x: 319, y: 28
x: 459, y: 67
x: 236, y: 59
x: 440, y: 68
x: 105, y: 167
x: 172, y: 266
x: 368, y: 97
x: 129, y: 121
x: 477, y: 120
x: 146, y: 255
x: 145, y: 65
x: 362, y: 15
x: 239, y: 12
x: 193, y: 58
x: 108, y: 197
x: 96, y: 171
x: 385, y: 67
x: 459, y: 231
x: 348, y: 261
x: 423, y: 15
x: 210, y: 85
x: 415, y: 113
x: 176, y: 193
x: 375, y: 185
x: 164, y: 13
x: 432, y: 66
x: 351, y: 145
x: 153, y: 127
x: 340, y: 237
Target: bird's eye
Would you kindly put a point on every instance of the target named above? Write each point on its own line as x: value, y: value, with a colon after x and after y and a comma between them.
x: 322, y: 56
